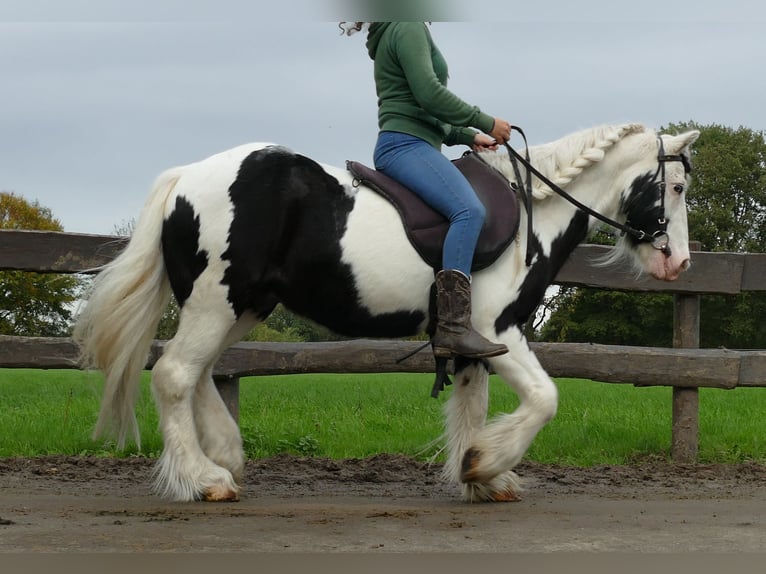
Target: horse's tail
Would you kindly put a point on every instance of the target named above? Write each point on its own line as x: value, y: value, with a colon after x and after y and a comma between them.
x: 118, y: 322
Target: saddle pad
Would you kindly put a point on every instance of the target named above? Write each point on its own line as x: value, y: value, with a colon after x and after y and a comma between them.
x: 427, y: 228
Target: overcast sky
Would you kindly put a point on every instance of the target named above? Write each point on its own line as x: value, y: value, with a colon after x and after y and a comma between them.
x: 97, y: 97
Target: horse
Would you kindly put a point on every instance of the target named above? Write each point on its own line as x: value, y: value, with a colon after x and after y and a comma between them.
x: 234, y: 234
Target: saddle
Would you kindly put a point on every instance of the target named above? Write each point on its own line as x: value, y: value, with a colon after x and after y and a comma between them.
x: 426, y: 228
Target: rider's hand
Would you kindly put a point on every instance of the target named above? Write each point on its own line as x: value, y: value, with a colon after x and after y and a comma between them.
x: 483, y: 142
x: 501, y: 130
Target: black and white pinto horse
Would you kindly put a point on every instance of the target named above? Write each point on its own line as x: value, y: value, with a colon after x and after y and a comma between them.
x: 236, y: 233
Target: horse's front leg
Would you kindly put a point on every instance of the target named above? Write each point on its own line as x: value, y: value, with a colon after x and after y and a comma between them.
x: 498, y: 447
x: 465, y: 416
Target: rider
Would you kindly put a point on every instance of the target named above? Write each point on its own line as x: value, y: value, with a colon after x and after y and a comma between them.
x: 416, y: 115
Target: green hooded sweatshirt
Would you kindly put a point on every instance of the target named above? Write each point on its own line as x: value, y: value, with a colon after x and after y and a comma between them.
x: 411, y: 84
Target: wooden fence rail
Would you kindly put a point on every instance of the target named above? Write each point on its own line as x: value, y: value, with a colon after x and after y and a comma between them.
x: 639, y: 366
x: 685, y: 368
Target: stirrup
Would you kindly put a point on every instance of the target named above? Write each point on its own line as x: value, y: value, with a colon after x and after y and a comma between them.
x: 442, y: 378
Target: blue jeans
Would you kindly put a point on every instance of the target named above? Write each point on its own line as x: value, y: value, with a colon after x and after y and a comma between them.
x: 422, y: 168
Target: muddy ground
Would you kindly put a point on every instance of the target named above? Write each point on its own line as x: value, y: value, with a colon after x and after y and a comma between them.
x: 384, y: 504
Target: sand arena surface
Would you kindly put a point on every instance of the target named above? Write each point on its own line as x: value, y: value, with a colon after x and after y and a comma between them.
x: 383, y: 504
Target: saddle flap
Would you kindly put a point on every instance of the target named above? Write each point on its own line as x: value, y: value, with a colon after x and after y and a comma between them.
x: 415, y: 212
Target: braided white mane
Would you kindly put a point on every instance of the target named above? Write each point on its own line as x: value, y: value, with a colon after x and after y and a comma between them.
x: 563, y: 160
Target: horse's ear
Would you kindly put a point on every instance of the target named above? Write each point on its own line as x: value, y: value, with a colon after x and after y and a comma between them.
x: 682, y: 141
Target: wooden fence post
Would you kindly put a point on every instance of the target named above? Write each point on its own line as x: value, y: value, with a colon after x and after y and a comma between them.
x: 686, y: 335
x: 228, y: 388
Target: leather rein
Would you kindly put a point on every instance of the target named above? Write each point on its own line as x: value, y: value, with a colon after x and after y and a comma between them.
x: 659, y: 239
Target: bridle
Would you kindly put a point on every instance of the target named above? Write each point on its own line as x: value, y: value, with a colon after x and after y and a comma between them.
x: 659, y: 239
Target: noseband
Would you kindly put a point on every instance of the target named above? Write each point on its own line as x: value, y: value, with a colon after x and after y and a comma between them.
x: 659, y: 239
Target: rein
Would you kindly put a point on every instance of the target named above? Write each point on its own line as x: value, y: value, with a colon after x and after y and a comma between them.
x: 659, y: 239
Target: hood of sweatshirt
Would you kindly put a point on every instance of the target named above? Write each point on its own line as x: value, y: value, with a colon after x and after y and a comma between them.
x: 374, y: 35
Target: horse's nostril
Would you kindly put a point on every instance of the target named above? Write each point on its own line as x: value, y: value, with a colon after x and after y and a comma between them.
x: 686, y: 264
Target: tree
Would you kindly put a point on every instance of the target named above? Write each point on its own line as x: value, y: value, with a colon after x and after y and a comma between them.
x: 586, y: 315
x: 727, y: 212
x: 33, y: 304
x: 727, y: 202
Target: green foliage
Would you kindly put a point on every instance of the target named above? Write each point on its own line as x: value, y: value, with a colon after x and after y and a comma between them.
x: 284, y: 326
x: 727, y: 201
x: 168, y: 324
x: 33, y: 304
x: 727, y: 212
x: 611, y: 317
x: 733, y: 321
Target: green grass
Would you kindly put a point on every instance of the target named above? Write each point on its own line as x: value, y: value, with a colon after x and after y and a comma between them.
x: 345, y: 416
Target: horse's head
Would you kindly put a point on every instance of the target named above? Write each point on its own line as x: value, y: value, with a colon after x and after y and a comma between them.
x: 655, y: 204
x: 646, y: 175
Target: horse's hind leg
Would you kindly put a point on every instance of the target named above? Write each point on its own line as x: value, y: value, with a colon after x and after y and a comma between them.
x: 183, y: 471
x: 217, y: 430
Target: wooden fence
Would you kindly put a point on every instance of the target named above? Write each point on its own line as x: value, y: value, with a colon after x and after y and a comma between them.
x: 686, y: 368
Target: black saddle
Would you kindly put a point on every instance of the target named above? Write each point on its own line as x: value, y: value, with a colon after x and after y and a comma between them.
x: 426, y: 228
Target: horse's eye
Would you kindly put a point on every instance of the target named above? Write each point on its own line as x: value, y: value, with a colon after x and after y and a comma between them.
x: 678, y: 188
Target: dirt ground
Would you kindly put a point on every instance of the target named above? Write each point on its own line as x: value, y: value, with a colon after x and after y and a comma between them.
x: 384, y: 504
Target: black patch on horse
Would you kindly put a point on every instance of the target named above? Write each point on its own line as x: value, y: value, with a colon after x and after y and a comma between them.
x: 284, y: 246
x: 542, y: 273
x: 642, y: 206
x: 180, y: 248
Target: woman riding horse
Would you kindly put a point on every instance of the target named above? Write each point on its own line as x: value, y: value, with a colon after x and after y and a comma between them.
x: 416, y: 115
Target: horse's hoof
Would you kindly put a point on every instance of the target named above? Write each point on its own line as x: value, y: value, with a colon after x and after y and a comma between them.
x: 469, y: 468
x: 506, y: 496
x: 220, y: 494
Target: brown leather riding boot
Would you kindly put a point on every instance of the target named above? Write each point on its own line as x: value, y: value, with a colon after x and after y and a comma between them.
x: 454, y: 333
